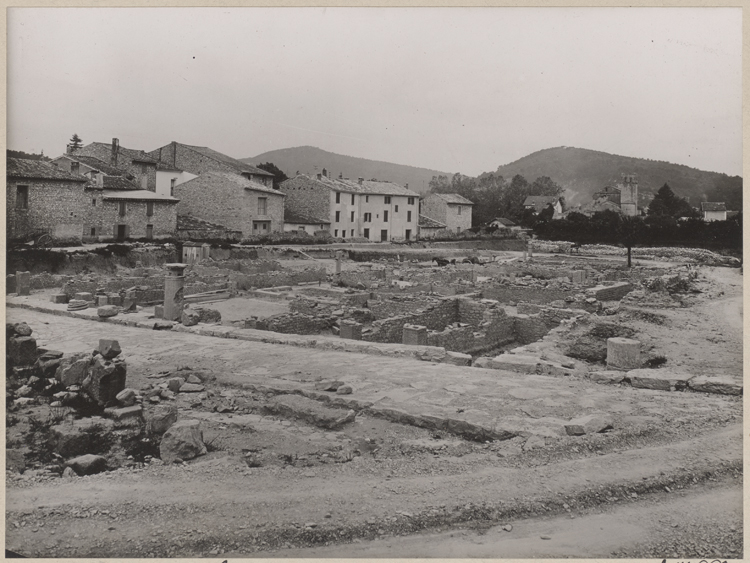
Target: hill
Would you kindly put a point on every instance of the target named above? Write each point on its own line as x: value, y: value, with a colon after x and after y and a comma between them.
x: 583, y: 172
x: 311, y: 160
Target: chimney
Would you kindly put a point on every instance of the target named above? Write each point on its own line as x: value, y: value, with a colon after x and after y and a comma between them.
x: 69, y: 149
x: 75, y: 167
x: 360, y: 180
x: 406, y: 185
x: 320, y: 176
x: 341, y: 175
x: 325, y: 172
x: 115, y: 150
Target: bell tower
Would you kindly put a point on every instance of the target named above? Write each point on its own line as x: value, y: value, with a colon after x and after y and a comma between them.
x: 629, y: 195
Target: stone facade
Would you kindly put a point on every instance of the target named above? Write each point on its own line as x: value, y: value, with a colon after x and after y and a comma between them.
x: 233, y: 202
x: 452, y: 210
x: 105, y: 221
x: 136, y: 163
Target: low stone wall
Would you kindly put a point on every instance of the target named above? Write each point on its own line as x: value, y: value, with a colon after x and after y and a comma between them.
x: 513, y: 294
x: 529, y: 328
x: 312, y: 307
x: 397, y: 305
x: 436, y: 317
x: 272, y: 279
x: 297, y: 323
x: 613, y: 292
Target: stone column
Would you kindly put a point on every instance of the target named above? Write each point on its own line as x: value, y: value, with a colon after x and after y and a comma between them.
x: 174, y: 283
x: 414, y: 335
x: 23, y: 283
x: 531, y: 250
x: 524, y: 253
x: 623, y: 353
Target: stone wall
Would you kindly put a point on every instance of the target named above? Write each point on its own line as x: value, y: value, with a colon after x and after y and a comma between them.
x: 272, y: 279
x: 397, y: 305
x: 57, y: 207
x: 105, y: 218
x: 613, y: 292
x: 513, y: 294
x: 310, y: 306
x: 308, y: 197
x: 529, y: 328
x: 297, y: 323
x: 436, y: 317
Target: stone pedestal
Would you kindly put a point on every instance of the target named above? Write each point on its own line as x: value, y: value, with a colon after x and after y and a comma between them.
x: 623, y: 353
x: 174, y: 297
x: 351, y: 330
x: 23, y: 283
x: 531, y: 251
x: 415, y: 335
x: 10, y: 283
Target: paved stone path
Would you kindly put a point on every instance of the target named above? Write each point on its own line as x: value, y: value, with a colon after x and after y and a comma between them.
x: 459, y: 399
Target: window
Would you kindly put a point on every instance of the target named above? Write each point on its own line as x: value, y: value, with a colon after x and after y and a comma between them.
x: 93, y: 231
x: 387, y: 199
x: 410, y: 201
x: 367, y: 233
x: 396, y: 210
x: 93, y: 201
x: 123, y: 208
x: 408, y: 234
x: 408, y: 216
x: 367, y: 199
x: 338, y: 197
x: 352, y: 219
x: 352, y: 232
x: 368, y: 217
x: 385, y: 215
x: 262, y: 205
x: 352, y: 199
x: 338, y: 216
x: 459, y: 210
x: 149, y: 208
x: 336, y: 232
x: 22, y: 197
x: 172, y: 184
x: 149, y: 231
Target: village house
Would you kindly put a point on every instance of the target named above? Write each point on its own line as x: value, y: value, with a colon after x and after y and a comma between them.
x: 181, y: 163
x: 167, y: 177
x: 43, y: 199
x: 453, y: 210
x: 714, y: 211
x: 429, y: 228
x: 503, y: 223
x: 129, y: 214
x: 377, y: 211
x: 298, y: 222
x: 233, y: 202
x: 135, y: 163
x: 539, y: 203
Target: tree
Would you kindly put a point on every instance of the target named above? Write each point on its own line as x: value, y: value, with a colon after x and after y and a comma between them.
x: 547, y: 213
x: 76, y: 142
x: 665, y: 202
x: 278, y: 175
x: 629, y: 232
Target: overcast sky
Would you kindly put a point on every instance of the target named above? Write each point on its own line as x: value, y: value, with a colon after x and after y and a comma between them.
x: 453, y: 89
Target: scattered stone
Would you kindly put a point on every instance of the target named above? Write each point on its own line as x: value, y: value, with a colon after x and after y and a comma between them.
x: 208, y: 316
x: 659, y: 379
x: 328, y: 385
x: 109, y: 348
x: 508, y: 528
x: 174, y: 384
x: 105, y: 379
x: 533, y: 442
x: 15, y: 460
x: 77, y: 437
x: 166, y: 394
x: 131, y: 415
x: 607, y: 377
x: 310, y: 411
x: 163, y: 325
x: 183, y: 440
x: 22, y: 329
x: 190, y: 317
x: 72, y: 370
x: 101, y: 301
x: 722, y: 385
x: 457, y: 359
x: 191, y: 388
x: 88, y: 464
x: 589, y: 424
x: 159, y: 311
x: 160, y: 419
x: 193, y: 379
x: 107, y: 311
x: 68, y: 473
x: 24, y: 391
x: 77, y: 305
x: 23, y: 283
x: 344, y: 390
x: 22, y: 350
x: 126, y: 397
x: 623, y: 353
x: 83, y: 296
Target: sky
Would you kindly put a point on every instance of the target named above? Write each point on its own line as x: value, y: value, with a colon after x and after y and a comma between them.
x: 451, y: 89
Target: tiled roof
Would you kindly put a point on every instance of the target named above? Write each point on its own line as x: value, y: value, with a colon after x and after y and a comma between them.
x: 302, y: 219
x: 505, y: 222
x: 429, y: 223
x: 136, y: 195
x: 455, y: 198
x: 94, y: 162
x: 241, y: 181
x: 368, y: 187
x: 166, y: 167
x: 713, y: 206
x: 39, y: 170
x: 132, y: 154
x: 221, y: 157
x: 118, y: 183
x: 190, y: 223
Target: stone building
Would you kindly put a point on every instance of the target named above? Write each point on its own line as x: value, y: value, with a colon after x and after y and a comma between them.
x: 453, y: 210
x: 129, y: 214
x: 608, y: 193
x: 43, y: 199
x: 377, y: 211
x: 429, y: 228
x: 232, y: 201
x: 187, y: 160
x: 168, y: 176
x: 305, y: 223
x: 539, y: 203
x: 629, y: 195
x: 714, y: 211
x: 135, y: 163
